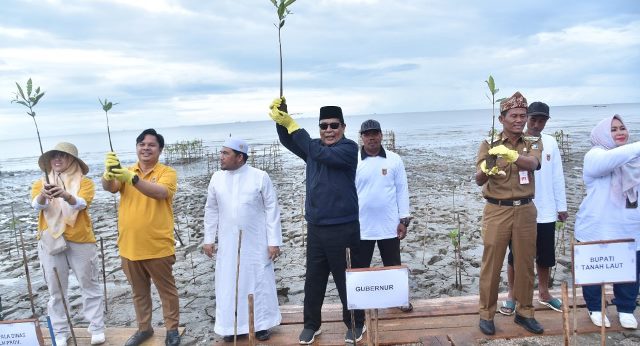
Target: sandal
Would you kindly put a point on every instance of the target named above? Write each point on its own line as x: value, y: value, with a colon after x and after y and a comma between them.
x: 508, y: 307
x: 407, y: 308
x: 553, y: 304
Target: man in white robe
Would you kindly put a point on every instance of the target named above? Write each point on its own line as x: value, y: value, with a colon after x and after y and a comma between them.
x: 241, y: 197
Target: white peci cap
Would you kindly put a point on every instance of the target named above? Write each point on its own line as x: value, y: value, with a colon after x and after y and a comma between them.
x: 236, y: 144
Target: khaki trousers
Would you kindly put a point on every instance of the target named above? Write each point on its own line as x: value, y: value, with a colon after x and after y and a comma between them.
x: 501, y: 224
x: 160, y: 270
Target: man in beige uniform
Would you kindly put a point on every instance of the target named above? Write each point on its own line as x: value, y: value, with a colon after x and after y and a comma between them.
x: 509, y: 214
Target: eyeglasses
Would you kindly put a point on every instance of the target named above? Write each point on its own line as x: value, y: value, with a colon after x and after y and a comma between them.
x: 334, y: 126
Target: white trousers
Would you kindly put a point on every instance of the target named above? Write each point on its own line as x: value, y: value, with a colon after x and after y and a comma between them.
x: 83, y: 259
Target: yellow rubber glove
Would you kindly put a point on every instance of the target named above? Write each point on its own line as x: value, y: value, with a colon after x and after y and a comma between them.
x: 489, y: 172
x: 282, y: 118
x: 507, y: 154
x: 110, y: 161
x: 122, y: 174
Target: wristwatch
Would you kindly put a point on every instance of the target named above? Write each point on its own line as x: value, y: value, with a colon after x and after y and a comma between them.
x: 135, y: 179
x: 405, y: 221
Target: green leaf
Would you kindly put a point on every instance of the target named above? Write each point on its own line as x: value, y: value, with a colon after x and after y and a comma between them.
x: 38, y: 97
x: 281, y: 23
x: 500, y: 100
x: 29, y: 87
x: 274, y: 3
x: 37, y: 90
x: 281, y: 9
x: 289, y: 2
x: 496, y: 91
x: 21, y: 92
x: 492, y: 84
x: 108, y: 106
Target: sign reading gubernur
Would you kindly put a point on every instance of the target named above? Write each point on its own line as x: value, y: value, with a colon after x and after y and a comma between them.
x: 377, y: 288
x: 609, y: 261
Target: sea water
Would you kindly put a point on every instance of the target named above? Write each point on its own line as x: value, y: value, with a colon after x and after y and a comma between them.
x: 448, y: 132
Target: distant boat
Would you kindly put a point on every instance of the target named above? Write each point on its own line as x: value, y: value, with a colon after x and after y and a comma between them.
x: 599, y: 106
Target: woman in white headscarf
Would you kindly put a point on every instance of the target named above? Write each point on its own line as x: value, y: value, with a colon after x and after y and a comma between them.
x: 62, y: 205
x: 610, y: 210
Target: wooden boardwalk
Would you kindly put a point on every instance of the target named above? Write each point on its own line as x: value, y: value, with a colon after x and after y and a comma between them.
x: 442, y: 321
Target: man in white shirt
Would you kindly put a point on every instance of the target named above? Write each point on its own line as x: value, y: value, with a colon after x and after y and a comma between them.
x: 242, y: 198
x: 551, y: 204
x: 383, y: 199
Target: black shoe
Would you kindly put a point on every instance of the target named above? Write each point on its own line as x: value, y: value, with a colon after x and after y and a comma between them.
x: 359, y: 333
x: 263, y: 335
x: 173, y: 338
x: 487, y: 327
x: 308, y: 335
x: 229, y: 338
x: 529, y: 324
x: 139, y: 337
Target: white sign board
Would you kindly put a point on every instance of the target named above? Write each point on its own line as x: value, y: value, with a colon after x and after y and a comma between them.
x: 24, y: 332
x: 377, y: 288
x: 604, y: 262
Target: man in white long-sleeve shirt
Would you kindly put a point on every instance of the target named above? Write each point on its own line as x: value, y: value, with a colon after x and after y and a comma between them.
x: 383, y: 198
x: 242, y: 198
x: 551, y: 203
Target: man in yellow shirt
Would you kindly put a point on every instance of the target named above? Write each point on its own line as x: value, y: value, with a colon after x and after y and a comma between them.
x: 145, y: 232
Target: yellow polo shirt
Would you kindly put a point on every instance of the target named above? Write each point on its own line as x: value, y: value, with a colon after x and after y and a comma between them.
x: 145, y: 225
x: 82, y: 231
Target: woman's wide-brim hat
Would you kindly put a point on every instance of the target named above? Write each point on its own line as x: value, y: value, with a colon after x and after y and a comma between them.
x: 45, y: 159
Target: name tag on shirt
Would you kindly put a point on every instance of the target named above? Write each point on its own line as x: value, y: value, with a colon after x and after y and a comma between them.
x: 524, y: 177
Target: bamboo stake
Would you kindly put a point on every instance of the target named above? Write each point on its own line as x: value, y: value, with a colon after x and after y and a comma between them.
x: 26, y: 270
x: 565, y: 313
x: 424, y: 235
x: 235, y: 318
x: 104, y: 276
x: 64, y: 304
x: 603, y: 311
x: 367, y: 319
x: 353, y: 317
x: 377, y: 341
x: 15, y: 232
x: 252, y: 329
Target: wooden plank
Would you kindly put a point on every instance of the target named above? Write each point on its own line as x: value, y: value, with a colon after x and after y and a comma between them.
x: 292, y: 314
x: 114, y: 336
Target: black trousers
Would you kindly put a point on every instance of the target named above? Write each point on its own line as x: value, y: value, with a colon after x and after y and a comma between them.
x: 326, y: 253
x: 389, y: 251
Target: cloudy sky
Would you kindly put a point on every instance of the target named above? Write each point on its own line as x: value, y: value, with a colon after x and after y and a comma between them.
x: 174, y: 63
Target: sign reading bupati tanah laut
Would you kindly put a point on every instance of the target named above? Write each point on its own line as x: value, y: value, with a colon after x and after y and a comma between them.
x: 609, y: 261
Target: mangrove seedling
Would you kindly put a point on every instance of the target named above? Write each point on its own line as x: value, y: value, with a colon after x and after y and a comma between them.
x: 106, y: 107
x: 282, y: 10
x: 30, y: 100
x: 491, y: 160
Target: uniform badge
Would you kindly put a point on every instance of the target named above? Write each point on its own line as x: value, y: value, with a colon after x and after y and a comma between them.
x: 534, y: 146
x: 153, y: 180
x: 384, y: 171
x: 548, y: 157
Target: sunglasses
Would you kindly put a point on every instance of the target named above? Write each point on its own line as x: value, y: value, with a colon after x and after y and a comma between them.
x: 334, y: 126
